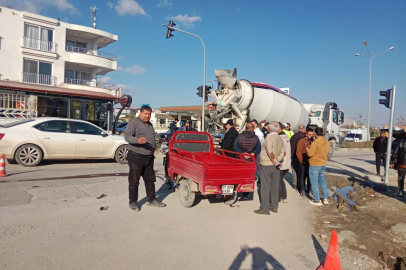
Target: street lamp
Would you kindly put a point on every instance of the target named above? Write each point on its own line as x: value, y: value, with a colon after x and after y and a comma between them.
x: 370, y: 80
x: 169, y: 35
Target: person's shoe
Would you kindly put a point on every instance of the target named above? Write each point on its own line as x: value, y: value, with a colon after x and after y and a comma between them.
x: 156, y: 203
x: 261, y: 212
x: 313, y: 202
x: 274, y: 210
x: 325, y: 201
x: 311, y: 193
x: 303, y: 193
x: 284, y: 200
x: 134, y: 206
x: 400, y: 194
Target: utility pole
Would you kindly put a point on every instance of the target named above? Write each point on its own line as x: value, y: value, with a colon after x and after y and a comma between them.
x: 392, y: 93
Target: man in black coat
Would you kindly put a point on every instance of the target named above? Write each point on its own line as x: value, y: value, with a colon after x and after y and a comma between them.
x: 380, y: 147
x: 230, y: 137
x: 399, y: 159
x: 293, y: 144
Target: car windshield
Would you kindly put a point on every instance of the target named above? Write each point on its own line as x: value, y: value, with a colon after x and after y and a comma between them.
x: 15, y: 123
x: 357, y: 136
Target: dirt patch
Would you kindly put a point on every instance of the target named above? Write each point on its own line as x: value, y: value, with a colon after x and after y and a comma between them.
x: 368, y: 221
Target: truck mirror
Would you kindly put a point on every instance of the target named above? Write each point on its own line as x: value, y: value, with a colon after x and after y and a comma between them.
x: 341, y: 117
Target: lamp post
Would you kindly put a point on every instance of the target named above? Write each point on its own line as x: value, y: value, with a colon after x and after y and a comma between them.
x: 168, y: 35
x: 370, y: 80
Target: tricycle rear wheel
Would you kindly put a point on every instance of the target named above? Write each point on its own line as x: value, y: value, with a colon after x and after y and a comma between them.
x: 186, y: 195
x: 231, y: 199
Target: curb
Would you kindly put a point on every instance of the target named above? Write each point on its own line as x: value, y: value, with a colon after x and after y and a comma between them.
x: 355, y: 149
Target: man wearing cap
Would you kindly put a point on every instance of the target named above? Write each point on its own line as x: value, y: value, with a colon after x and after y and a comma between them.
x: 230, y: 137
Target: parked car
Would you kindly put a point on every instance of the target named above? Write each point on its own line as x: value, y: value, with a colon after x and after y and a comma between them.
x: 121, y: 127
x: 29, y: 141
x: 164, y: 137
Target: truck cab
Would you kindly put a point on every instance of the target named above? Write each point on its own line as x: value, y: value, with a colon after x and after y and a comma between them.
x: 328, y: 117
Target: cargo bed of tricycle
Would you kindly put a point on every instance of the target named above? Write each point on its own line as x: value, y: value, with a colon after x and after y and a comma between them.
x: 193, y: 163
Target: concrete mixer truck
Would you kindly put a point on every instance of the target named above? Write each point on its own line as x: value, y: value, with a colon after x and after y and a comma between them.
x: 244, y: 101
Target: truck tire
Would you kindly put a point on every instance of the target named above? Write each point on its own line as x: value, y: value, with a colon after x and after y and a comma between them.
x: 231, y: 199
x: 186, y: 195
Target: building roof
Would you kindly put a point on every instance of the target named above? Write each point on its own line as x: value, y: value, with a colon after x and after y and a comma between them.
x: 37, y: 88
x: 188, y: 109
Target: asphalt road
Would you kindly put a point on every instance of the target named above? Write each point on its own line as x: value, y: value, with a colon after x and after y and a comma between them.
x: 50, y: 219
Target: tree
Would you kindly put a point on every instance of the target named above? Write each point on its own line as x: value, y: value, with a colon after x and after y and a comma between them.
x: 359, y: 120
x: 401, y: 122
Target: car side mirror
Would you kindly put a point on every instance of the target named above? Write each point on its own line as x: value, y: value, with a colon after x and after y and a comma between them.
x: 104, y: 134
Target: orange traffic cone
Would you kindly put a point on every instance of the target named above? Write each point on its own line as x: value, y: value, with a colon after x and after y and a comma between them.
x: 3, y: 166
x: 332, y: 261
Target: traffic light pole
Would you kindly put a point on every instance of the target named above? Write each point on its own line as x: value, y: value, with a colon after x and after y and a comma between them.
x: 204, y: 69
x: 389, y: 148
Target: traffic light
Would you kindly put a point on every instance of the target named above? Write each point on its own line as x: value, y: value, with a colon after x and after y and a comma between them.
x: 207, y: 92
x: 169, y: 32
x: 387, y: 94
x: 200, y: 91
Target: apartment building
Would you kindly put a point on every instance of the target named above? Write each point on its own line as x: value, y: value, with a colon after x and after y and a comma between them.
x: 51, y: 68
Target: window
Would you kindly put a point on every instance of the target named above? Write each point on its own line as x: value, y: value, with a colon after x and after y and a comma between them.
x: 39, y: 38
x: 54, y: 126
x: 37, y: 72
x: 52, y: 106
x: 316, y: 114
x: 76, y: 46
x: 83, y: 128
x: 335, y: 117
x: 77, y: 77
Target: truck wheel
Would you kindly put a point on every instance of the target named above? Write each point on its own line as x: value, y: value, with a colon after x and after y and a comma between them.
x: 186, y: 195
x: 231, y: 199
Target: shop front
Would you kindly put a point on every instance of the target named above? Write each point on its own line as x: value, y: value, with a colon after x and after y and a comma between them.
x: 17, y: 101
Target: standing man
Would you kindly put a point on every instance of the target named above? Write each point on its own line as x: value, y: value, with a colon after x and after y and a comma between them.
x: 258, y: 131
x: 271, y: 155
x: 293, y: 145
x: 318, y: 155
x: 173, y: 126
x: 139, y: 133
x: 399, y: 158
x: 288, y: 131
x: 380, y: 147
x: 283, y: 195
x: 230, y: 137
x: 248, y: 144
x: 301, y: 153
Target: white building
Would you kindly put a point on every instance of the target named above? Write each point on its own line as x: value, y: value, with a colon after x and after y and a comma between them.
x: 49, y: 67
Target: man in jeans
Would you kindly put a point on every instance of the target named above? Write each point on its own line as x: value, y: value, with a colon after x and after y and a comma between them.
x: 272, y: 155
x: 380, y: 147
x: 140, y: 135
x: 399, y: 158
x: 318, y: 155
x: 303, y: 163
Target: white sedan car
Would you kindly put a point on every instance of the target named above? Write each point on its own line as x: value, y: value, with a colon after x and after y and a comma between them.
x: 29, y: 141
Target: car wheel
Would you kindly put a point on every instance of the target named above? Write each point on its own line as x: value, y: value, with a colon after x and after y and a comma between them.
x: 186, y: 195
x: 29, y: 155
x: 121, y: 154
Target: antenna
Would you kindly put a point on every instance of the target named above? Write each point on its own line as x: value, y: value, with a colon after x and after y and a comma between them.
x: 94, y: 10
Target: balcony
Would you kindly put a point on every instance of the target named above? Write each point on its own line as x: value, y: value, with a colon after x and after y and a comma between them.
x: 91, y: 52
x: 91, y: 83
x: 40, y: 45
x: 39, y: 79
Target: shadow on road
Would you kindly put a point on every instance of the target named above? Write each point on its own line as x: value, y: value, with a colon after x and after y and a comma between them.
x: 77, y: 161
x: 367, y: 161
x: 161, y: 194
x: 260, y: 260
x: 321, y: 254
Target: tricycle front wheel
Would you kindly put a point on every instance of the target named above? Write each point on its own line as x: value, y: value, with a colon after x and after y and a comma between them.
x: 231, y: 199
x: 186, y: 195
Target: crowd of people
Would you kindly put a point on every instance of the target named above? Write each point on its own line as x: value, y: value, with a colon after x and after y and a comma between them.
x: 277, y: 149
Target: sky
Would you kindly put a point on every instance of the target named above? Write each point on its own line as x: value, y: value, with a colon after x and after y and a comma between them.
x: 309, y: 46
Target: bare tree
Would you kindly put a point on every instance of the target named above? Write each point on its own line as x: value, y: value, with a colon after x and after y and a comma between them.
x: 401, y: 122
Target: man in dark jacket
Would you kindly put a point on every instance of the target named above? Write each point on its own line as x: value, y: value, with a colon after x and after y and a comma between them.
x: 248, y: 143
x: 303, y: 160
x: 265, y: 129
x: 230, y: 137
x: 398, y: 158
x: 293, y: 144
x: 173, y: 126
x: 380, y: 147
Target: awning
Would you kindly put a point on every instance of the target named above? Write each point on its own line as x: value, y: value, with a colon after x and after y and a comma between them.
x: 37, y: 88
x: 164, y: 116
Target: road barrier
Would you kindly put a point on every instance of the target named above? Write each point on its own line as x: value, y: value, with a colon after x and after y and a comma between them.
x: 332, y: 261
x: 3, y: 166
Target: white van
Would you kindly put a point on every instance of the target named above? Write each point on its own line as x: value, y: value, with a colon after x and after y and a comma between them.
x: 356, y: 135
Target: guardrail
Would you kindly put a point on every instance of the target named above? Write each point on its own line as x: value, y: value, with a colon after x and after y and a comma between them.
x: 91, y: 52
x: 91, y: 83
x: 37, y: 44
x: 39, y: 78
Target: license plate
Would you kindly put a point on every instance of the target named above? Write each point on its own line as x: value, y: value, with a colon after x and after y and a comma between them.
x: 227, y: 189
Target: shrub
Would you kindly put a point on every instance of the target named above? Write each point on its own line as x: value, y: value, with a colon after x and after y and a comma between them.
x: 356, y: 144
